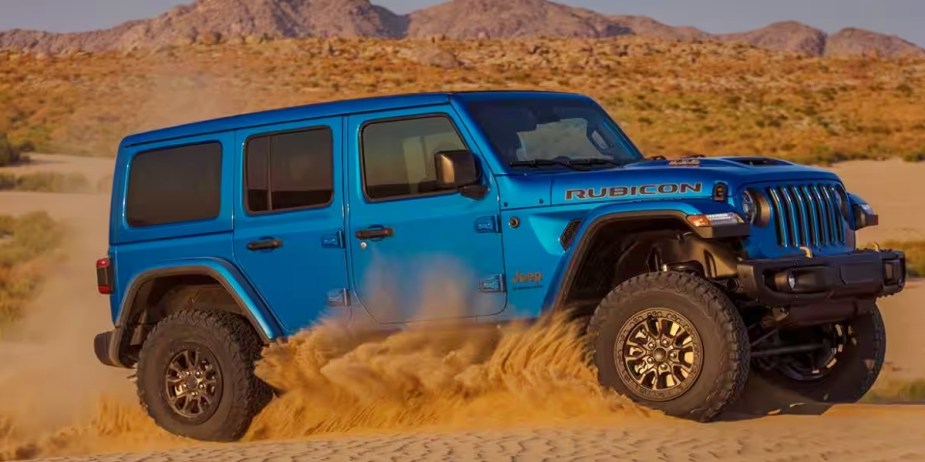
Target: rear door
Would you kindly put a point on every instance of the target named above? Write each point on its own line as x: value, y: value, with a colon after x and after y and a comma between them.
x: 289, y: 219
x: 419, y: 252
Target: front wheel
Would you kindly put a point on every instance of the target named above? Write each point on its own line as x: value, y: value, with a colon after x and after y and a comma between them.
x: 196, y: 375
x: 673, y: 342
x: 842, y: 368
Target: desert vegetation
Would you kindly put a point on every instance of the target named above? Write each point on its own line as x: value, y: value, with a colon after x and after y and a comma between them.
x: 673, y: 98
x: 26, y: 242
x: 62, y: 183
x: 10, y: 153
x: 898, y: 391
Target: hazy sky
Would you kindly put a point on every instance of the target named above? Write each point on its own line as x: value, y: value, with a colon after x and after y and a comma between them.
x: 905, y: 18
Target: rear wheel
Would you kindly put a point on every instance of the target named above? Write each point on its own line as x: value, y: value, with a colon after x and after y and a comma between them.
x: 842, y: 367
x: 673, y: 342
x: 196, y: 375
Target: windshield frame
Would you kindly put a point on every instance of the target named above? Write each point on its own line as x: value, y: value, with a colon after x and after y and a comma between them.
x: 606, y: 121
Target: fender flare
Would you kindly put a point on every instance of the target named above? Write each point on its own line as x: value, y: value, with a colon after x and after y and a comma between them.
x: 252, y: 305
x: 607, y: 214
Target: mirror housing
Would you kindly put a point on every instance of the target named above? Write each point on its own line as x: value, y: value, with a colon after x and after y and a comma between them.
x: 455, y: 169
x: 459, y: 170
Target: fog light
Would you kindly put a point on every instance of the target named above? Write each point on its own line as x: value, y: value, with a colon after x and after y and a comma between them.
x: 804, y: 280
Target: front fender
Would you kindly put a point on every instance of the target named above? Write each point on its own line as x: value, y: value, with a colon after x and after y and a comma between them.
x: 257, y: 312
x: 677, y: 210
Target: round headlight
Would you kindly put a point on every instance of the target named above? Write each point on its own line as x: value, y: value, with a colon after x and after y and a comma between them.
x: 749, y: 207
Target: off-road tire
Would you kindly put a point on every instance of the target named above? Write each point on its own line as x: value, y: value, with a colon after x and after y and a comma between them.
x: 233, y: 344
x: 855, y: 371
x: 724, y: 345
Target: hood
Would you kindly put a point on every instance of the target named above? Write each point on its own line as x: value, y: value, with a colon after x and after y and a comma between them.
x: 664, y: 179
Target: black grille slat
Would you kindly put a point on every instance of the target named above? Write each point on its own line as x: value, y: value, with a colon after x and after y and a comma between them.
x: 824, y: 229
x: 807, y: 214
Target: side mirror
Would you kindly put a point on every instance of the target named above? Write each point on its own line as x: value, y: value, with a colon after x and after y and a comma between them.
x: 459, y: 170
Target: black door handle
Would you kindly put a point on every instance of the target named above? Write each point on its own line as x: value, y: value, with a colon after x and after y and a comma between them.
x: 265, y: 244
x: 376, y: 232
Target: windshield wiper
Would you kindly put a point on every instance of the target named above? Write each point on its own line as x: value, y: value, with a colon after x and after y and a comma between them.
x: 537, y: 163
x: 590, y: 162
x: 574, y: 164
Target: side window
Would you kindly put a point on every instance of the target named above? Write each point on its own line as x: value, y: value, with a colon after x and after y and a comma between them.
x: 175, y: 185
x: 289, y: 171
x: 398, y: 155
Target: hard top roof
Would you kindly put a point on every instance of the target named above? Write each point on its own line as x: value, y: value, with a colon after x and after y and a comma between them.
x: 329, y: 109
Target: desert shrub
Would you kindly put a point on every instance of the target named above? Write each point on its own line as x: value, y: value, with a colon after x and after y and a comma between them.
x: 915, y: 156
x: 46, y: 182
x: 23, y: 242
x: 900, y: 391
x: 9, y: 153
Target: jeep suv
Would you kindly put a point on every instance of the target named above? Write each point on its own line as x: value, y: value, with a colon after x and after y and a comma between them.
x: 691, y: 273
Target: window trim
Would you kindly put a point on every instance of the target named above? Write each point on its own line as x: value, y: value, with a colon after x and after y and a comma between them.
x: 361, y: 144
x: 245, y: 200
x: 131, y: 168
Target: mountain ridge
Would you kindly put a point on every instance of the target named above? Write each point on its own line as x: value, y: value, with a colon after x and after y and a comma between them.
x: 212, y: 21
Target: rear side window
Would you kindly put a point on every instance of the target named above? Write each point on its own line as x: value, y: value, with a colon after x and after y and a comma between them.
x: 289, y: 171
x: 398, y: 155
x: 175, y: 185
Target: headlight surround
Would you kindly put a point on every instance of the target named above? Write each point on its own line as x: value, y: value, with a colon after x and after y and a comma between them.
x: 750, y: 207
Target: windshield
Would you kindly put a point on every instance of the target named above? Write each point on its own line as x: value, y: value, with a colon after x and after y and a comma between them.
x: 550, y: 132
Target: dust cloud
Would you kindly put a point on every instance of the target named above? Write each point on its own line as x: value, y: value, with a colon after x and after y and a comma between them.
x: 332, y: 380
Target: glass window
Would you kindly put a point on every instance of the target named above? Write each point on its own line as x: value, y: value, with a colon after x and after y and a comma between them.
x: 398, y: 156
x: 290, y: 170
x: 557, y: 131
x: 175, y: 185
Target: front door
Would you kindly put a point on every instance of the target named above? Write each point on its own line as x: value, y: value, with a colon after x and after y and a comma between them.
x: 419, y: 252
x: 289, y: 221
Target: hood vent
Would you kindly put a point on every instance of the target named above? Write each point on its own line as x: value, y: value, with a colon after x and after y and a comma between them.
x: 758, y: 161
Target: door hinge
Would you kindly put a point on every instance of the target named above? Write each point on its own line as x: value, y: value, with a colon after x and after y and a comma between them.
x: 493, y: 283
x: 487, y: 224
x: 338, y: 298
x: 333, y: 240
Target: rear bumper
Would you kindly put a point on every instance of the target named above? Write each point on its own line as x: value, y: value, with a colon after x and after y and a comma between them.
x: 862, y: 275
x: 105, y: 347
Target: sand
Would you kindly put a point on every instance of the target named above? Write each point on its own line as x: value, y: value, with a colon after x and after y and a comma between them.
x: 52, y: 348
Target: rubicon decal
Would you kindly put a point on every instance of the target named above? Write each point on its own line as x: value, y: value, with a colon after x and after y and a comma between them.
x: 630, y: 191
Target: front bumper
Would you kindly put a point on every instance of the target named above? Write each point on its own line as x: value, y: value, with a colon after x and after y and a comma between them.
x: 794, y: 281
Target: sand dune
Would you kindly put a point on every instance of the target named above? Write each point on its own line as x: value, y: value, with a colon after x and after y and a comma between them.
x: 52, y: 349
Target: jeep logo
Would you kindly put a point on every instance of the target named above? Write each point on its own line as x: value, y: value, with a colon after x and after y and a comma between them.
x: 527, y: 278
x: 624, y: 191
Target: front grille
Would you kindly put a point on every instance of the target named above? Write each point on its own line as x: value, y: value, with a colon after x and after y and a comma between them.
x: 808, y: 214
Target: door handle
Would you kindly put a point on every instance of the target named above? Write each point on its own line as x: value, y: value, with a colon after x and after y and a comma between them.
x: 265, y: 244
x: 375, y: 232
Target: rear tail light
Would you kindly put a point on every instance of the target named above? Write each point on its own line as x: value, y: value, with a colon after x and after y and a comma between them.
x: 104, y: 276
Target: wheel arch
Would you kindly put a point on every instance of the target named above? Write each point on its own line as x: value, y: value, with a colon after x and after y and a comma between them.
x: 149, y: 292
x: 667, y: 218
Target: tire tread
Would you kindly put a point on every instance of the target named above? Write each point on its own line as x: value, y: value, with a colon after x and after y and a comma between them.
x: 727, y: 386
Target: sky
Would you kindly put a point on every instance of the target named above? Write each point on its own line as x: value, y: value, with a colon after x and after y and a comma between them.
x: 900, y: 17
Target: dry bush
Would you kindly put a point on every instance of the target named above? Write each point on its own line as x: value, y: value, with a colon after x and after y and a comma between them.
x: 24, y: 242
x: 9, y: 153
x: 62, y: 183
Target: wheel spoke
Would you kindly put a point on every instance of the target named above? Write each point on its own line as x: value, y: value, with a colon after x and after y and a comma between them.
x: 660, y: 351
x: 193, y: 383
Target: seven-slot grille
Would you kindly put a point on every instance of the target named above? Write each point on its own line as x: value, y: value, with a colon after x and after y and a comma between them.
x: 808, y: 214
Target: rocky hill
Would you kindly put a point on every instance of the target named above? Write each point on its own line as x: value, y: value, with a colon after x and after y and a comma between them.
x: 784, y: 36
x: 209, y: 21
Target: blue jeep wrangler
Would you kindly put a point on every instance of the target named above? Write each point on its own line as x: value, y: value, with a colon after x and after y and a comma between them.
x: 691, y: 273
